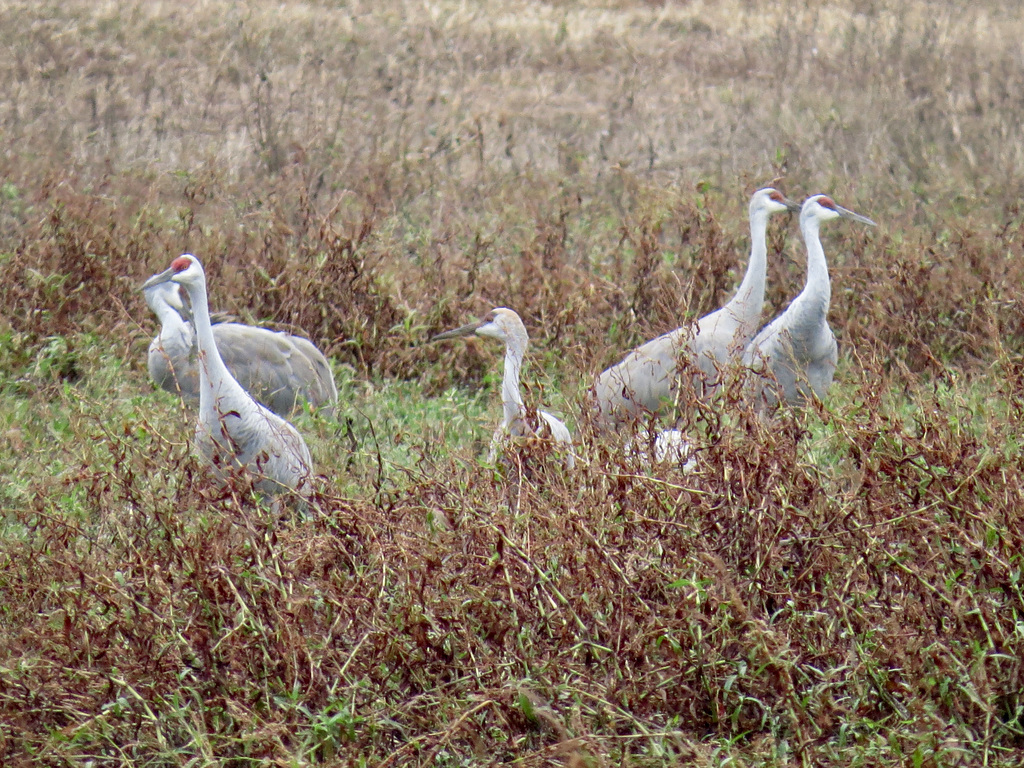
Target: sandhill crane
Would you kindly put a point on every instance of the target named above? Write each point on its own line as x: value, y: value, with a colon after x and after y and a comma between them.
x: 233, y: 430
x: 647, y: 377
x: 278, y: 369
x: 798, y: 347
x: 665, y: 446
x: 506, y: 326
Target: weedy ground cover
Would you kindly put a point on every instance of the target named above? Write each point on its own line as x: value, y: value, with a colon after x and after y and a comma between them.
x: 841, y: 586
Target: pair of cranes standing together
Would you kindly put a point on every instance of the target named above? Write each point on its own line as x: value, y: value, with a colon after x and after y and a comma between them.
x: 798, y: 347
x: 234, y: 432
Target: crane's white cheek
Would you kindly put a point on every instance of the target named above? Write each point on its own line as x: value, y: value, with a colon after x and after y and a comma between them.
x: 491, y: 330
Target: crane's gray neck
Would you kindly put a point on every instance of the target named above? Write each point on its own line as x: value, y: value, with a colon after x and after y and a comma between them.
x: 171, y: 323
x: 818, y: 287
x: 211, y: 364
x: 746, y: 305
x: 511, y: 398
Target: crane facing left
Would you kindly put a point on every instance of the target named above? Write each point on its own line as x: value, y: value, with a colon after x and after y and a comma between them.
x: 233, y: 431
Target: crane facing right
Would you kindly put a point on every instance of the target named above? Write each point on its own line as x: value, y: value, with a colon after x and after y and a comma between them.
x: 646, y: 379
x: 798, y: 347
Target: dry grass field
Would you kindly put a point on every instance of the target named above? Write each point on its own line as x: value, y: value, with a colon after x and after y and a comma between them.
x: 840, y: 586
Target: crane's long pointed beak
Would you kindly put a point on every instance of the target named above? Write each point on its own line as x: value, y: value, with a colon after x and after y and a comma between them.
x: 792, y: 207
x: 163, y: 277
x: 848, y: 214
x: 466, y: 330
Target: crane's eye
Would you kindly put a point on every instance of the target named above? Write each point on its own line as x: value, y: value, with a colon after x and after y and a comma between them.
x: 181, y: 263
x: 826, y: 202
x: 776, y: 196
